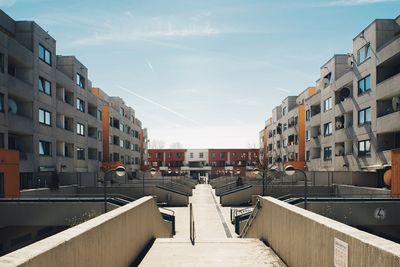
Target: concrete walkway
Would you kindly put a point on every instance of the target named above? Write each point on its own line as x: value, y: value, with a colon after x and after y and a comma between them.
x: 216, y: 243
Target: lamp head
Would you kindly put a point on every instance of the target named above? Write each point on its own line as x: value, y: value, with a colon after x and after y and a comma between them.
x: 152, y: 171
x: 120, y: 171
x: 169, y: 171
x: 290, y: 170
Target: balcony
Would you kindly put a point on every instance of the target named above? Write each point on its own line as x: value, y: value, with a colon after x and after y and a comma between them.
x: 20, y: 88
x: 388, y: 88
x: 344, y: 106
x: 19, y: 52
x: 26, y: 162
x: 20, y: 124
x: 388, y: 123
x: 315, y: 120
x: 391, y: 49
x: 315, y: 142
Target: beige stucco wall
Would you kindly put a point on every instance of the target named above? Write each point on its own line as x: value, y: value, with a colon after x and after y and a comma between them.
x: 306, y: 239
x: 112, y: 239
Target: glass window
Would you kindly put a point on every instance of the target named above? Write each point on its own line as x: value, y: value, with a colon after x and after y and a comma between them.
x: 308, y: 136
x: 80, y: 81
x: 80, y: 129
x: 99, y: 135
x: 44, y: 148
x: 328, y: 104
x: 44, y: 117
x: 328, y: 129
x: 1, y: 103
x: 99, y: 115
x: 308, y: 115
x: 80, y: 105
x: 284, y: 111
x: 364, y: 116
x: 327, y: 153
x: 44, y: 54
x: 364, y: 148
x: 364, y: 53
x: 364, y: 85
x: 80, y: 153
x: 44, y: 86
x: 121, y: 143
x: 201, y: 155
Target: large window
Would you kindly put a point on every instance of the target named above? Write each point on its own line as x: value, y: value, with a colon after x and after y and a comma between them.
x: 284, y: 111
x: 45, y: 117
x: 99, y: 115
x: 80, y: 105
x: 327, y: 153
x: 364, y: 116
x: 44, y: 148
x: 364, y: 85
x: 44, y: 86
x: 80, y: 153
x: 364, y: 53
x: 308, y: 135
x: 328, y: 104
x: 364, y: 148
x: 1, y: 103
x: 80, y: 129
x: 328, y: 129
x: 44, y: 54
x: 80, y: 81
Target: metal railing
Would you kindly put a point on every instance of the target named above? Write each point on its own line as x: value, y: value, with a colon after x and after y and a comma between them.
x: 192, y: 228
x: 250, y: 220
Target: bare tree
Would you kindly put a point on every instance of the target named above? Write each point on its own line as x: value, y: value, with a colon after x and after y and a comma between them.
x: 157, y: 144
x: 176, y: 145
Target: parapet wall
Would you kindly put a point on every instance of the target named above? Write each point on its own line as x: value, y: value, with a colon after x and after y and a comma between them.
x: 303, y: 238
x: 113, y: 239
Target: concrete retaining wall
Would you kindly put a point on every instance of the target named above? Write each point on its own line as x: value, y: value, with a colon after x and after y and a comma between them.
x: 112, y: 239
x: 303, y: 238
x: 352, y: 191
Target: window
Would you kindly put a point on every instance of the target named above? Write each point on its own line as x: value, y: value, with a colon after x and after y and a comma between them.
x: 201, y: 155
x: 284, y: 111
x: 328, y: 129
x: 44, y: 86
x: 328, y: 104
x: 364, y: 148
x: 364, y: 116
x: 80, y: 129
x: 307, y: 155
x: 285, y: 142
x: 80, y: 153
x: 308, y: 136
x: 44, y: 54
x: 1, y: 140
x: 284, y: 127
x: 364, y: 53
x: 44, y: 117
x: 1, y: 103
x: 80, y: 105
x: 80, y: 81
x: 99, y: 135
x: 44, y: 148
x: 99, y: 115
x: 121, y: 127
x: 191, y: 155
x: 327, y: 153
x: 308, y: 115
x: 364, y: 85
x: 122, y: 111
x: 2, y: 62
x: 121, y: 143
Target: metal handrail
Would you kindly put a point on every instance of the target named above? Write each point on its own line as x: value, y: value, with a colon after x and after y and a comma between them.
x: 192, y: 228
x: 250, y: 220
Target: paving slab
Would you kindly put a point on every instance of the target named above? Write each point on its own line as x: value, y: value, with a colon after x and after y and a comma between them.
x: 213, y: 252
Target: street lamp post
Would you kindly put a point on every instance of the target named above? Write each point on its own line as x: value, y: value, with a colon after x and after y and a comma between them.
x: 290, y: 170
x: 119, y: 171
x: 256, y: 171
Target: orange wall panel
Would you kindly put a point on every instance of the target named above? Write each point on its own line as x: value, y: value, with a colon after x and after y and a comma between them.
x: 9, y: 166
x: 395, y: 172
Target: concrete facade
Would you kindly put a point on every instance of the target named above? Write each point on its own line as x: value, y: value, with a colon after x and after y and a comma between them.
x: 349, y: 119
x: 49, y: 111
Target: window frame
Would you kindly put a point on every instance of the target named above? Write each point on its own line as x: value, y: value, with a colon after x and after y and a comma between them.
x: 41, y: 81
x: 79, y: 79
x: 364, y: 83
x: 45, y: 112
x: 364, y: 116
x: 329, y: 157
x: 47, y: 58
x: 80, y: 103
x: 366, y: 50
x: 49, y: 148
x: 80, y: 129
x: 325, y: 128
x: 364, y: 153
x: 326, y: 102
x: 78, y: 151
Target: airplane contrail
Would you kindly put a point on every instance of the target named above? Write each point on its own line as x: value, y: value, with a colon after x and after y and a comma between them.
x: 150, y: 65
x: 160, y: 106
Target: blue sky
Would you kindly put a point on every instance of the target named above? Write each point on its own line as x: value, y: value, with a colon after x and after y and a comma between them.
x: 203, y: 73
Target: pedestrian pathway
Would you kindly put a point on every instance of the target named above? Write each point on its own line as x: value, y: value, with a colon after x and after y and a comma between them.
x: 216, y: 243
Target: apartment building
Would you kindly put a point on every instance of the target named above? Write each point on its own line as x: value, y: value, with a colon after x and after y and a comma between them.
x: 49, y: 112
x: 204, y: 162
x: 351, y: 118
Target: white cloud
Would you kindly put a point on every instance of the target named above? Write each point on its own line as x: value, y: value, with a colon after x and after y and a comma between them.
x: 7, y: 3
x: 357, y: 2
